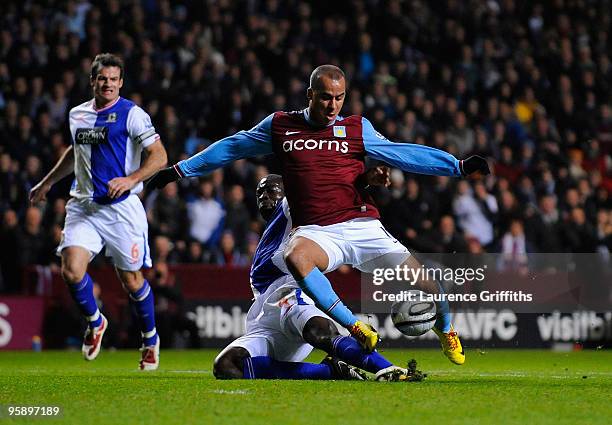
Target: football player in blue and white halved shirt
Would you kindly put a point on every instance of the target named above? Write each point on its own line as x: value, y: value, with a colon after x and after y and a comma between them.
x: 109, y: 135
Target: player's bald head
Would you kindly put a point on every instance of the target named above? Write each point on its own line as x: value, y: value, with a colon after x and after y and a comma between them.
x: 329, y: 71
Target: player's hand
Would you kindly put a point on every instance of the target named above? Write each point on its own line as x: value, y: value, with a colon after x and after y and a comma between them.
x: 119, y: 185
x: 474, y: 164
x: 378, y: 176
x: 163, y: 177
x: 39, y: 192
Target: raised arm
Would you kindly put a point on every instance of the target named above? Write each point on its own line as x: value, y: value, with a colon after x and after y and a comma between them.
x: 418, y: 158
x: 62, y: 168
x: 244, y: 144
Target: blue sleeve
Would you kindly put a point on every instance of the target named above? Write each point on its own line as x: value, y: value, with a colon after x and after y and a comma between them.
x: 244, y: 144
x: 408, y: 156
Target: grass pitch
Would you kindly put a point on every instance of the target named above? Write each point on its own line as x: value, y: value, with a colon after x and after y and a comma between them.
x: 498, y: 386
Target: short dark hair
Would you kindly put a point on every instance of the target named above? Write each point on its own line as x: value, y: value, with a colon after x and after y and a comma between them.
x: 103, y: 60
x: 330, y: 71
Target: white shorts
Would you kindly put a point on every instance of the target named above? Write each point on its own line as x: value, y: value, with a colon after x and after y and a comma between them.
x: 275, y: 323
x: 122, y: 228
x: 362, y: 243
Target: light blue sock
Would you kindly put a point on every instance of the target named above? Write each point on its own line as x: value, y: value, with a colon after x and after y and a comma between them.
x: 264, y: 367
x: 82, y: 294
x: 318, y: 287
x: 443, y: 315
x: 144, y: 306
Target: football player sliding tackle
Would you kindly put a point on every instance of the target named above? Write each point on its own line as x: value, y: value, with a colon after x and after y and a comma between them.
x: 335, y: 220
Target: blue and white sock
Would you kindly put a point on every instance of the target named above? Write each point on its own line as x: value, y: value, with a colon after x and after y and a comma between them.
x: 144, y: 305
x: 348, y: 349
x: 82, y: 294
x: 318, y: 287
x: 264, y: 367
x: 443, y: 315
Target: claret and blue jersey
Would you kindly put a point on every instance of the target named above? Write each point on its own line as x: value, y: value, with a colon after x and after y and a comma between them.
x: 107, y: 143
x: 320, y: 165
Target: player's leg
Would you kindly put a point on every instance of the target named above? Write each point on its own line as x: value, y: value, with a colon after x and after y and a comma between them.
x: 304, y: 326
x: 249, y: 357
x: 74, y: 272
x: 80, y: 242
x: 125, y: 230
x: 443, y: 328
x: 322, y: 333
x: 375, y: 248
x: 143, y: 305
x: 271, y: 352
x: 306, y: 259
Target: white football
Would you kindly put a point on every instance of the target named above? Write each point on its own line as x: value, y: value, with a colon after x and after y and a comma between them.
x: 414, y: 318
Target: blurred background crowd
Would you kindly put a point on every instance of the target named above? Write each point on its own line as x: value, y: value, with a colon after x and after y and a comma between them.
x: 526, y: 84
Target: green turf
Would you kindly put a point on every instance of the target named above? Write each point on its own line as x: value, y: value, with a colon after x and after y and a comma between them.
x: 499, y: 386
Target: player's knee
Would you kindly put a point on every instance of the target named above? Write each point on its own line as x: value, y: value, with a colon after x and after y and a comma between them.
x: 320, y: 333
x: 132, y: 281
x: 298, y: 261
x: 225, y: 367
x: 72, y: 275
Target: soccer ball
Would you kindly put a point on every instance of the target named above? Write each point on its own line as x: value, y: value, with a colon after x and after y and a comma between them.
x: 414, y: 318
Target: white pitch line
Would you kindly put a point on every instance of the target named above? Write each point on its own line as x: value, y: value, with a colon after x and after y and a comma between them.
x: 230, y: 391
x: 202, y: 372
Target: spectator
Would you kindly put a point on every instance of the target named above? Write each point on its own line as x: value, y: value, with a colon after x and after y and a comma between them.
x: 163, y: 250
x: 514, y: 248
x: 461, y: 136
x: 168, y: 213
x: 410, y: 214
x: 228, y: 254
x: 472, y: 214
x: 580, y: 236
x: 205, y: 215
x: 604, y: 232
x: 31, y: 240
x: 9, y: 252
x: 445, y: 239
x: 237, y: 216
x: 545, y: 226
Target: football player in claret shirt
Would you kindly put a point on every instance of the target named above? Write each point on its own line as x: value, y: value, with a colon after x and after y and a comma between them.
x: 109, y: 135
x: 283, y: 324
x: 322, y: 155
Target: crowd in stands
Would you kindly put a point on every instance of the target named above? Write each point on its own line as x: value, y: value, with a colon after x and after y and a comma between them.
x: 526, y: 84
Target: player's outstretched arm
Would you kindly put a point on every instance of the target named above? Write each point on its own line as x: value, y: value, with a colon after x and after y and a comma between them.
x: 244, y: 144
x: 418, y: 158
x: 62, y: 168
x: 155, y: 159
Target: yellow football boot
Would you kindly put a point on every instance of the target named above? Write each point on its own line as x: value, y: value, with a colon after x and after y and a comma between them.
x: 451, y: 345
x: 365, y: 334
